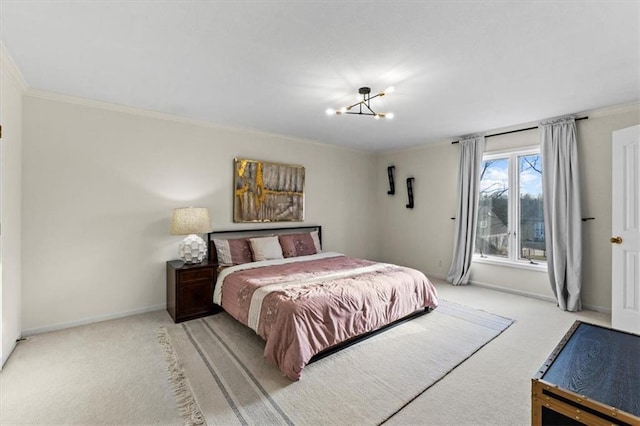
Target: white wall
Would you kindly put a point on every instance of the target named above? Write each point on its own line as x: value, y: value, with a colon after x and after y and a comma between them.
x: 11, y: 88
x: 420, y: 237
x: 100, y: 184
x: 594, y: 136
x: 423, y: 238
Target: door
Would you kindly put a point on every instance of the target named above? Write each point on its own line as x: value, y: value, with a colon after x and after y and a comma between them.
x: 625, y: 241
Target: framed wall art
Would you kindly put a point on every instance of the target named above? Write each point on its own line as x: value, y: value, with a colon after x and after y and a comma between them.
x: 267, y: 192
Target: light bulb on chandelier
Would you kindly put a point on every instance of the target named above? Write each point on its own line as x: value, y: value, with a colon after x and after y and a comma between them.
x: 365, y: 102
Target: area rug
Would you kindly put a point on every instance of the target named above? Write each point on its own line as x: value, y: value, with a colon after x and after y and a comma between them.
x: 221, y: 377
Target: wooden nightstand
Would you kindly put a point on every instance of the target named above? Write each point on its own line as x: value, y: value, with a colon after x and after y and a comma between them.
x: 190, y: 290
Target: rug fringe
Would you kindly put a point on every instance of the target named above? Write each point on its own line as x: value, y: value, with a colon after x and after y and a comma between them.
x: 187, y: 404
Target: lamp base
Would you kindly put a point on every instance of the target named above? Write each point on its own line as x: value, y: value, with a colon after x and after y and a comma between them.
x: 192, y: 249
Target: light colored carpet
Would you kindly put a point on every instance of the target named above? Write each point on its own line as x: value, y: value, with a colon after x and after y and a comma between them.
x: 110, y: 372
x: 493, y: 387
x: 113, y: 372
x: 365, y: 384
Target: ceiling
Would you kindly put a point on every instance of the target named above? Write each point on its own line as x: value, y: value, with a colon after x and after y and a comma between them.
x: 276, y: 66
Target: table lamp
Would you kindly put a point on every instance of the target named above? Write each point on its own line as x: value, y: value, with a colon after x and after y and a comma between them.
x: 191, y: 221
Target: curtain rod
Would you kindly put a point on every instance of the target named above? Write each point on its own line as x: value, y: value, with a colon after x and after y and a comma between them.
x: 519, y: 130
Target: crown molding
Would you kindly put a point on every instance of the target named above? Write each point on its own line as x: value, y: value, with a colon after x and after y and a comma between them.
x: 8, y: 64
x: 42, y: 94
x: 614, y: 110
x: 142, y: 112
x: 594, y: 113
x: 76, y: 100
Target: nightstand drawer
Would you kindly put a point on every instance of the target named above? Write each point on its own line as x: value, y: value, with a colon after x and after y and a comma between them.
x: 196, y: 275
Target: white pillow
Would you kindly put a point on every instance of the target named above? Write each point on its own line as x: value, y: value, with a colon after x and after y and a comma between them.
x: 265, y: 248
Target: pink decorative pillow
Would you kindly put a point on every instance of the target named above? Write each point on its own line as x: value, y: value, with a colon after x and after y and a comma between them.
x: 298, y: 244
x: 233, y: 252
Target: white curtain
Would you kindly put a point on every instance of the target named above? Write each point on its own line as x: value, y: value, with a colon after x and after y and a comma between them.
x: 562, y: 214
x: 471, y: 150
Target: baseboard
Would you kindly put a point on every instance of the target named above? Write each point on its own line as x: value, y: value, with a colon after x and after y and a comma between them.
x: 513, y: 291
x: 537, y: 296
x: 594, y: 308
x: 600, y: 309
x: 5, y: 357
x: 440, y: 277
x: 71, y: 324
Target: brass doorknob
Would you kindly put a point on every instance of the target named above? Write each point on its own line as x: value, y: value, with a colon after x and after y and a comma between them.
x: 616, y: 240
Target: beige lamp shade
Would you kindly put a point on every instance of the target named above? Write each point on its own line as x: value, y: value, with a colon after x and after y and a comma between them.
x: 191, y: 220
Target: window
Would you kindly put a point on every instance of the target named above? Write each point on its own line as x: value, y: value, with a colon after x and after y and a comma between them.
x: 510, y: 217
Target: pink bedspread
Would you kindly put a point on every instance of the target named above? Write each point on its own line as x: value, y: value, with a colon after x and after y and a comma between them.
x: 302, y: 308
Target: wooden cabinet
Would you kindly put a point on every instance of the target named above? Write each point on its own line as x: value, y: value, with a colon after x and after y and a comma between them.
x: 591, y: 378
x: 190, y: 290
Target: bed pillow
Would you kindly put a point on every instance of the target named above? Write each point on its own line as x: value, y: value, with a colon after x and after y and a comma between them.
x: 233, y: 251
x: 299, y: 244
x: 265, y: 248
x: 316, y: 241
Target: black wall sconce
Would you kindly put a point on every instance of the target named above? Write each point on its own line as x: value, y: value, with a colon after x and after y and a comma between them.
x: 392, y: 186
x: 410, y: 192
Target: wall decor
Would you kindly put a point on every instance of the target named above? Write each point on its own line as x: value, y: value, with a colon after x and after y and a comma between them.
x: 267, y: 192
x: 392, y: 186
x: 410, y: 192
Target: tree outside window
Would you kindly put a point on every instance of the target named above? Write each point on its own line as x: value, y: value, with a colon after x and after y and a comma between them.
x: 510, y: 215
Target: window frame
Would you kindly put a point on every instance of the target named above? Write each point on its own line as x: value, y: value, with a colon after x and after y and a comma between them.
x: 513, y: 212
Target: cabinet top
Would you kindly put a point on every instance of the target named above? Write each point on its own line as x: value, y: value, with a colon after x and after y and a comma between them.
x: 179, y: 264
x: 598, y: 362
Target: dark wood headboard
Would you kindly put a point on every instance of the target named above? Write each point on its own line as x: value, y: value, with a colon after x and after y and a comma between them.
x: 257, y: 232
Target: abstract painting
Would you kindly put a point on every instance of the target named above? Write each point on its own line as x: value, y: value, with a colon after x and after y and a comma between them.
x: 267, y: 192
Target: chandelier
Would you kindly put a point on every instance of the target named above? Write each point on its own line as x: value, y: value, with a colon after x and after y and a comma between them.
x: 364, y: 107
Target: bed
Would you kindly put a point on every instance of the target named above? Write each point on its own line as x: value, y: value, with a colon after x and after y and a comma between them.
x: 304, y: 302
